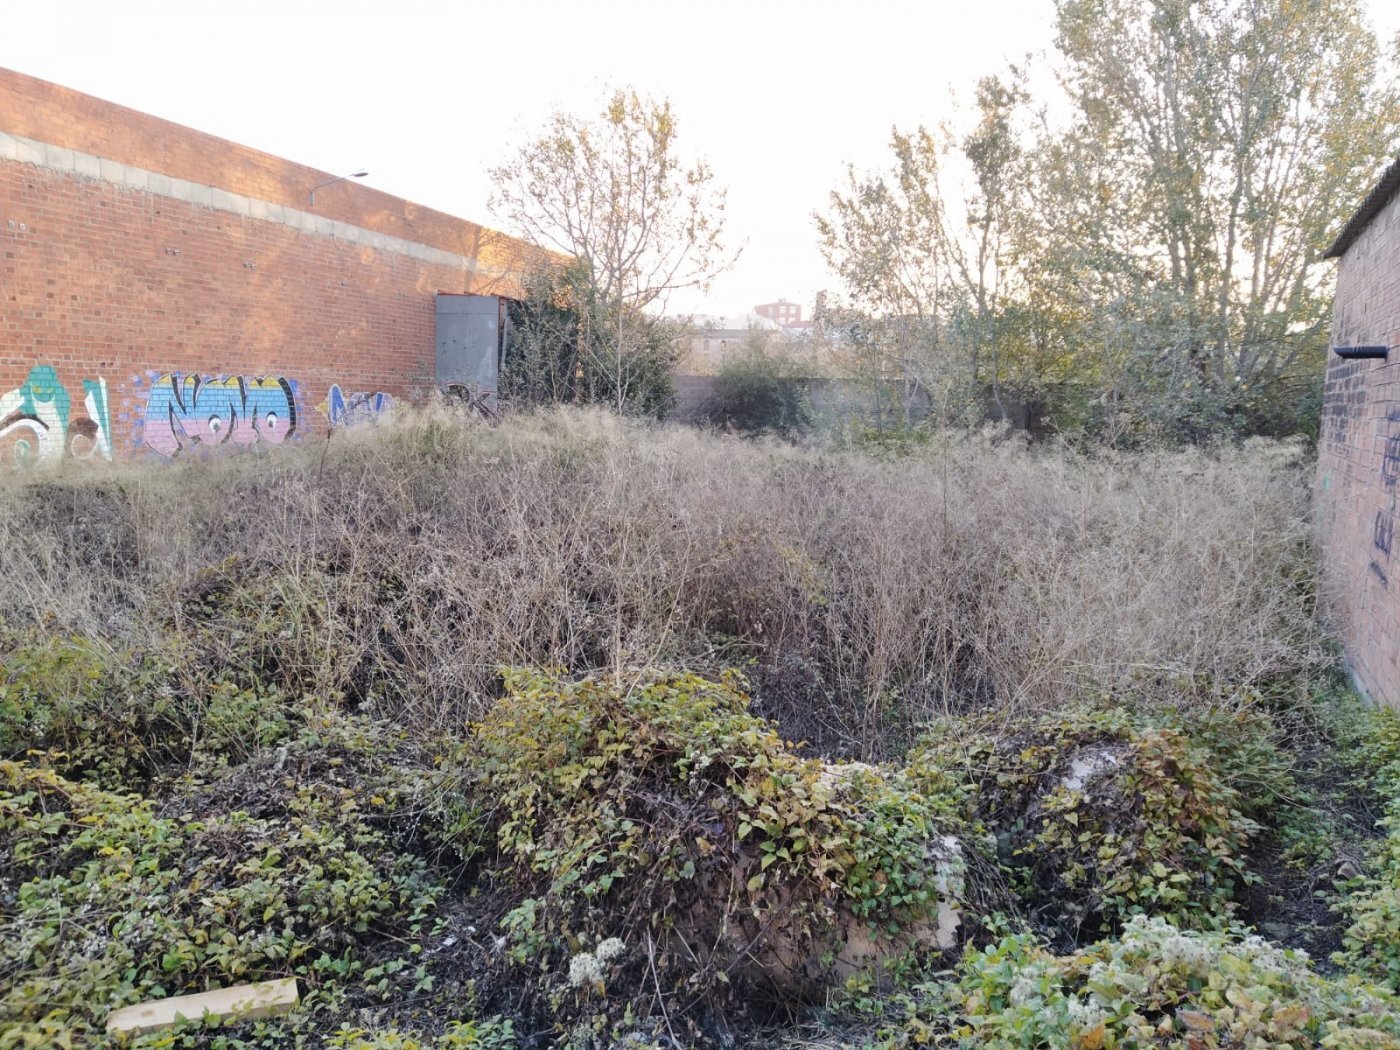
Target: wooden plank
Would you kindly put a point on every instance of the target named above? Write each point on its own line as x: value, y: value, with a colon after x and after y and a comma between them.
x: 242, y: 1002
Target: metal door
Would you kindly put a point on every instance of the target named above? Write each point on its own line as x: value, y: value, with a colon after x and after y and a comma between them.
x: 468, y: 340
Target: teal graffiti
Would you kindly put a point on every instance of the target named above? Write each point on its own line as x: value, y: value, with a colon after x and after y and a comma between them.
x: 97, y: 427
x: 37, y: 419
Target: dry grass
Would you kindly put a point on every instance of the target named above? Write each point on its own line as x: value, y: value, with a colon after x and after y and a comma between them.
x: 399, y: 567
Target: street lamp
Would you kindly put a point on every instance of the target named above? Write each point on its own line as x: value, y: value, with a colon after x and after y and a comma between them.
x: 339, y: 178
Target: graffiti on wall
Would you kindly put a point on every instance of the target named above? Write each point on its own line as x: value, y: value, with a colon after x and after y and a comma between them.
x: 1383, y: 532
x: 348, y: 410
x: 186, y: 409
x: 37, y: 421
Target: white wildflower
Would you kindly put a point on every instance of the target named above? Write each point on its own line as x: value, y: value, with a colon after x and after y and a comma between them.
x: 587, y: 968
x: 609, y: 950
x: 1184, y: 950
x: 1025, y: 989
x: 584, y: 970
x: 1085, y: 1013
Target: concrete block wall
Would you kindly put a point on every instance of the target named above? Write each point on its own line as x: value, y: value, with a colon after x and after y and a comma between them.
x: 162, y: 289
x: 833, y: 401
x: 1358, y: 474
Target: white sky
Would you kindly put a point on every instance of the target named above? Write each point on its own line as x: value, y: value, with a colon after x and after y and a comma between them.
x: 776, y: 94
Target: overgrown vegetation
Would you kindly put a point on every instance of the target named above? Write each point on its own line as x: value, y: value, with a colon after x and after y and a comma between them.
x: 559, y: 349
x: 1154, y: 987
x: 639, y: 220
x: 441, y: 721
x: 1101, y: 819
x: 662, y: 811
x: 862, y: 591
x: 1372, y: 940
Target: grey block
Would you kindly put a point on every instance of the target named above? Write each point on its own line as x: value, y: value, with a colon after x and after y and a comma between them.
x: 58, y: 158
x: 29, y: 152
x: 223, y: 200
x: 87, y: 165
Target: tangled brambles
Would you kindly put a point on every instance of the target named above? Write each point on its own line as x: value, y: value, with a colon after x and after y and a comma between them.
x: 1100, y: 819
x: 660, y: 812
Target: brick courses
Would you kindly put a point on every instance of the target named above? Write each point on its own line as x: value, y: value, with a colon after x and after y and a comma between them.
x: 1358, y: 474
x: 131, y: 247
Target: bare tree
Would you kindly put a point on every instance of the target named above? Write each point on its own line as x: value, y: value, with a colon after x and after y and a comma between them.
x: 614, y: 192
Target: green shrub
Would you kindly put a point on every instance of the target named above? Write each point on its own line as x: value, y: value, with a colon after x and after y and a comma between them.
x: 1100, y: 819
x: 118, y: 716
x: 562, y: 347
x: 1156, y: 987
x: 1245, y: 747
x: 760, y: 393
x: 896, y: 440
x: 1160, y: 987
x: 112, y: 903
x: 661, y: 813
x: 1371, y: 752
x: 1367, y: 739
x: 493, y: 1034
x: 1371, y: 943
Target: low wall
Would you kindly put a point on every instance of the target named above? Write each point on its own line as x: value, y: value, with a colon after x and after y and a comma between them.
x: 832, y: 400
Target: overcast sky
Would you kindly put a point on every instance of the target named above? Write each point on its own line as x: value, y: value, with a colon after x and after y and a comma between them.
x: 778, y: 96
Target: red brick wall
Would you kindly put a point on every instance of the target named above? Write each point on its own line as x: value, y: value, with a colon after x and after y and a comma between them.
x: 103, y: 281
x: 1358, y: 479
x: 49, y: 113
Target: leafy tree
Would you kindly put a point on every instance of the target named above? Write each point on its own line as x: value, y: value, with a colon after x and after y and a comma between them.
x: 885, y: 236
x: 614, y: 192
x: 1151, y: 264
x: 1215, y: 149
x: 930, y: 265
x: 982, y: 259
x: 541, y: 361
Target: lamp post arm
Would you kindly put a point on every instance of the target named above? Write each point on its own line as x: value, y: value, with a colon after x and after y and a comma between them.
x: 332, y: 182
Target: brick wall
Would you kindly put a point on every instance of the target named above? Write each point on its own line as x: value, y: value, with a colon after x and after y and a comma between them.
x: 161, y: 288
x: 1358, y: 478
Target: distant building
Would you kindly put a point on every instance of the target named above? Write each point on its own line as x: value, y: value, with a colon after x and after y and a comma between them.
x: 787, y: 314
x: 713, y: 339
